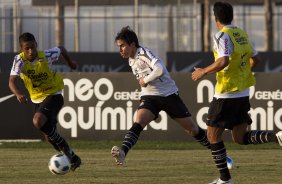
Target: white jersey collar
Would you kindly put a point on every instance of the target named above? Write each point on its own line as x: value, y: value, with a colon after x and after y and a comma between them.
x: 132, y: 60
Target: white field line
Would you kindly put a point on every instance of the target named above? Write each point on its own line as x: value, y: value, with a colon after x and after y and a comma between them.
x: 20, y: 140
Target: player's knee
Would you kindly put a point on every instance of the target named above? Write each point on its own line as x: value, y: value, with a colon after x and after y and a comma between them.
x: 38, y: 120
x: 237, y: 140
x: 212, y: 138
x: 192, y: 129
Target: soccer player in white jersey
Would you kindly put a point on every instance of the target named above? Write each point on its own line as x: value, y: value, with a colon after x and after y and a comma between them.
x: 45, y: 89
x: 158, y: 92
x: 234, y: 59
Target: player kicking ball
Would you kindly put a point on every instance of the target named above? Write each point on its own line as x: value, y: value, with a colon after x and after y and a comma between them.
x: 45, y: 89
x: 158, y: 92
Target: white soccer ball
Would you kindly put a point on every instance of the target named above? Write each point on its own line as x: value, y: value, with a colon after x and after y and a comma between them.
x: 59, y: 164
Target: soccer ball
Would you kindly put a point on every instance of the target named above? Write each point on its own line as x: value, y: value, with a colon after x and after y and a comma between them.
x: 59, y: 164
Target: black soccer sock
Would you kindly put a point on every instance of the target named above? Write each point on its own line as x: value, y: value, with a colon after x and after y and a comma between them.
x: 202, y: 138
x: 218, y: 152
x: 53, y: 144
x: 56, y: 140
x: 131, y: 137
x: 259, y: 137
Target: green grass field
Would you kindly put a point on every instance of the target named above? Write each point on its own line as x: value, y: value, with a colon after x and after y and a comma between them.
x: 147, y: 163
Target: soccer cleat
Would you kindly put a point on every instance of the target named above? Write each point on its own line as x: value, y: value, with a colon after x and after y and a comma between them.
x: 75, y: 162
x: 230, y: 163
x: 219, y: 181
x: 279, y: 137
x: 118, y: 154
x: 73, y: 158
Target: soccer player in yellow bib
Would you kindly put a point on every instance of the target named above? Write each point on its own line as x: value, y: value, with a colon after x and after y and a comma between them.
x: 45, y: 89
x: 234, y: 58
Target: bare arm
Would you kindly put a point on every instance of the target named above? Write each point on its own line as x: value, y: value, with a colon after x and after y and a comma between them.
x: 255, y: 60
x: 216, y: 66
x: 66, y: 57
x: 13, y: 87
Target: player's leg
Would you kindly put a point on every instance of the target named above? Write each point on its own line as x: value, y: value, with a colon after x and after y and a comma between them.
x: 218, y: 153
x: 144, y: 116
x: 178, y: 111
x: 241, y: 136
x: 194, y: 130
x: 45, y: 119
x: 200, y: 135
x: 221, y: 115
x: 55, y: 146
x: 50, y: 131
x: 41, y: 122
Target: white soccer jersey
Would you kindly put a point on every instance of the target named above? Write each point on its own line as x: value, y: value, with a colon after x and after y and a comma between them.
x: 51, y: 55
x: 144, y: 65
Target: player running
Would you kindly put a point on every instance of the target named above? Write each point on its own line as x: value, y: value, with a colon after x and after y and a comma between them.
x: 234, y: 59
x: 45, y: 89
x: 158, y: 92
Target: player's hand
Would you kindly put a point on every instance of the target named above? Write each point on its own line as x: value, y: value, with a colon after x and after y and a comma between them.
x: 21, y: 98
x: 73, y: 65
x: 142, y: 83
x: 198, y: 74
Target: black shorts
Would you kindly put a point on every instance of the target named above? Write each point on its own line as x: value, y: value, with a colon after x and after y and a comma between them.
x: 228, y: 112
x: 172, y: 105
x: 50, y: 107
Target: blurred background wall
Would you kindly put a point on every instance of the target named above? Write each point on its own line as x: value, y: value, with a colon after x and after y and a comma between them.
x: 180, y: 31
x: 163, y: 25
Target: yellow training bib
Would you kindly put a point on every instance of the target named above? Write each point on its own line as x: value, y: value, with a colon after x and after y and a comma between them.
x: 39, y: 79
x: 237, y: 76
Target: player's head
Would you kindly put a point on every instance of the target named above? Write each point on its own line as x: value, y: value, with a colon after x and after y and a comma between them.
x: 223, y: 12
x: 127, y: 42
x: 128, y: 35
x: 28, y: 45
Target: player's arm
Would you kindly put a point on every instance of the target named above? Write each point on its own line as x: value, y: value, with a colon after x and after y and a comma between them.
x: 13, y: 87
x: 14, y: 76
x: 66, y: 57
x: 255, y: 59
x: 223, y: 47
x: 154, y: 63
x: 157, y: 72
x: 216, y: 66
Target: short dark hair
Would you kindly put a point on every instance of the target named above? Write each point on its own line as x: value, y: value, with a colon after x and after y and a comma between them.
x: 223, y: 11
x: 26, y: 37
x: 128, y: 35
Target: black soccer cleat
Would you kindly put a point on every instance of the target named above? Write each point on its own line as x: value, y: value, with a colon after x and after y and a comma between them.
x: 75, y: 162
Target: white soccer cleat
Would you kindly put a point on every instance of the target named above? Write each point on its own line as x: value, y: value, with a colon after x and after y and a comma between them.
x: 230, y: 163
x: 279, y: 137
x: 219, y: 181
x: 119, y: 155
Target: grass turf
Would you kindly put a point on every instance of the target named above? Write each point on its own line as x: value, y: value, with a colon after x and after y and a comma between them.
x: 149, y: 162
